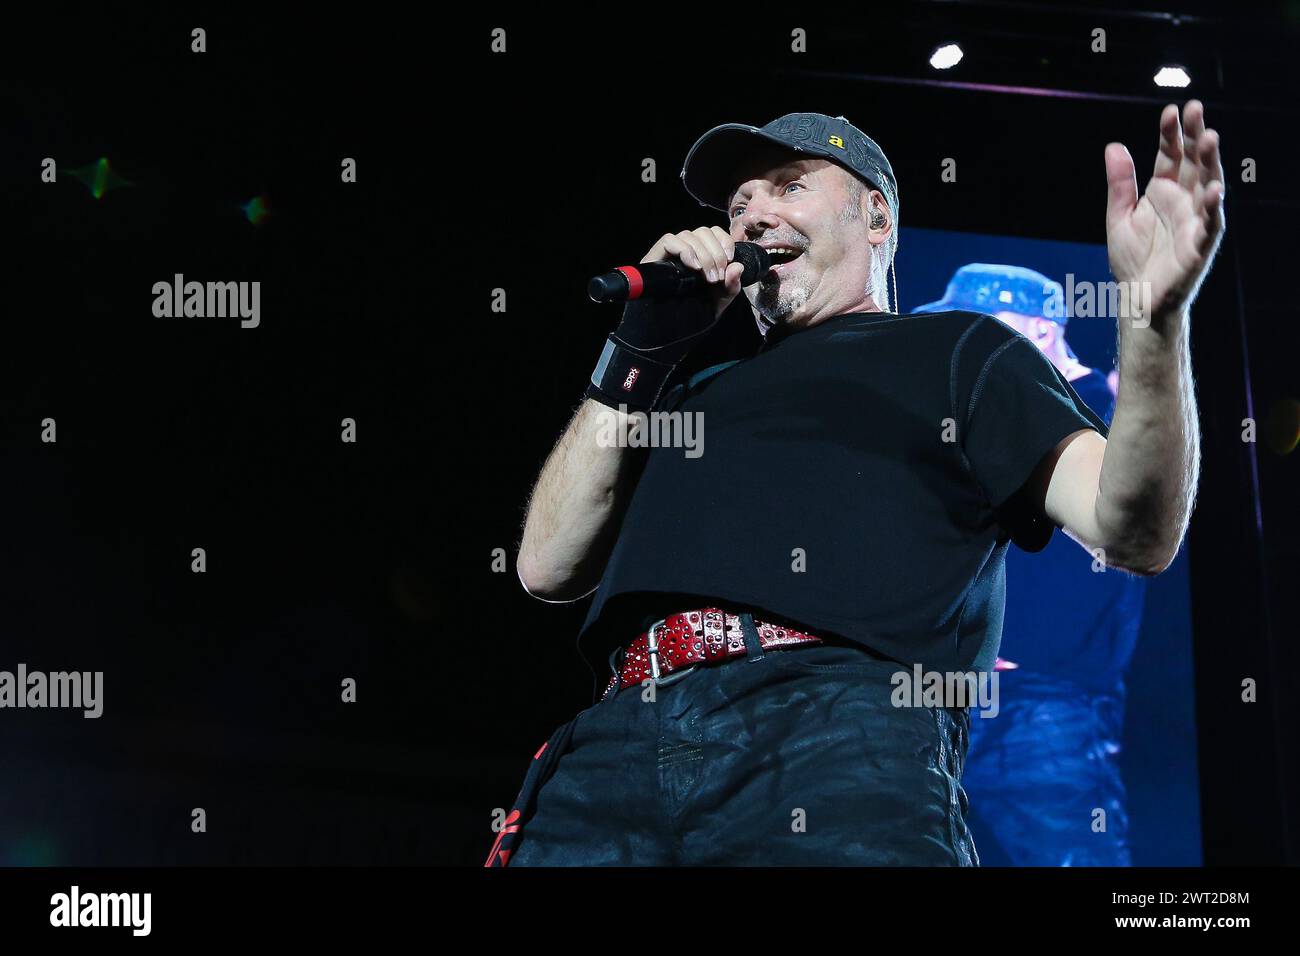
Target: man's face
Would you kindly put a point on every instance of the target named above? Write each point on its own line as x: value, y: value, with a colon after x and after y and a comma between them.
x: 1042, y: 332
x: 812, y: 207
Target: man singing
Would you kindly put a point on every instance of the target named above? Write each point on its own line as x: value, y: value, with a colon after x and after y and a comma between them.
x: 864, y: 472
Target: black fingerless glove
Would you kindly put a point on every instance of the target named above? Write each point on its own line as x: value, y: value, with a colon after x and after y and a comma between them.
x: 639, y: 356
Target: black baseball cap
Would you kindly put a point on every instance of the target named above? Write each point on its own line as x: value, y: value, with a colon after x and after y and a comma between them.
x: 712, y: 163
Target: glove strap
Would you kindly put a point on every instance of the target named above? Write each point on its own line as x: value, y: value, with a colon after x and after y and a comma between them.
x: 624, y: 376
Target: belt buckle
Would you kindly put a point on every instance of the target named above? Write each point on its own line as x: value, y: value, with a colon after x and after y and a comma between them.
x: 652, y: 648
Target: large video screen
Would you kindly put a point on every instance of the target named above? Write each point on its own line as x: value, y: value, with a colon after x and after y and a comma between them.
x: 1091, y: 758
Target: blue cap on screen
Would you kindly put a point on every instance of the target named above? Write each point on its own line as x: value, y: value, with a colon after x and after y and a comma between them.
x: 991, y: 288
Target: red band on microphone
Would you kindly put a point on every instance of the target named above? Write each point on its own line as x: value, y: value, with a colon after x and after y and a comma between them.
x: 635, y: 284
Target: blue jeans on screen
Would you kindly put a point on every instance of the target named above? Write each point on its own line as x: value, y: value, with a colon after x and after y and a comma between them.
x: 1039, y: 772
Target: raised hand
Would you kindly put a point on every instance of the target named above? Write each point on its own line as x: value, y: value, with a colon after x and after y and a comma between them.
x: 1167, y: 239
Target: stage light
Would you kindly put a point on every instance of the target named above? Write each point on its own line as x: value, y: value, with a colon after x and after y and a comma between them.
x: 99, y: 177
x: 946, y: 56
x: 1172, y: 76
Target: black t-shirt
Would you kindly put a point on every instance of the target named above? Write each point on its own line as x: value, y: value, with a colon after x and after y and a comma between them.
x: 1063, y: 618
x: 858, y: 479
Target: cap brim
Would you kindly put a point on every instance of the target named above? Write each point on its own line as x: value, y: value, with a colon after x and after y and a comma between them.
x: 937, y: 306
x: 711, y: 164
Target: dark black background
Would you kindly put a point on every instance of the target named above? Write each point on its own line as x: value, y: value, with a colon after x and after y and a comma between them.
x: 480, y: 171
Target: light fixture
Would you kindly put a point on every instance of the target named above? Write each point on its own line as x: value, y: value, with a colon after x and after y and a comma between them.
x: 1172, y: 76
x: 945, y: 57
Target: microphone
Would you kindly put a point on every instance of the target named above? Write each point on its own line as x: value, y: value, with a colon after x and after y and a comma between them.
x: 670, y: 279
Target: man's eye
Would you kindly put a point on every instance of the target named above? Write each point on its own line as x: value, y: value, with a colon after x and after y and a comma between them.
x: 737, y: 210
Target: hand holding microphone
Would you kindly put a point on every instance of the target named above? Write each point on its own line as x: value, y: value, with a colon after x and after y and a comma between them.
x: 679, y: 291
x: 682, y: 264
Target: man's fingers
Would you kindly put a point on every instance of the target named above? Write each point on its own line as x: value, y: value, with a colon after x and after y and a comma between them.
x: 1214, y: 194
x: 1190, y: 171
x: 712, y: 254
x: 728, y: 247
x: 681, y: 246
x: 1170, y: 156
x: 1121, y: 183
x: 728, y: 244
x: 1211, y: 160
x: 708, y: 249
x: 1193, y: 119
x: 734, y: 272
x: 658, y: 250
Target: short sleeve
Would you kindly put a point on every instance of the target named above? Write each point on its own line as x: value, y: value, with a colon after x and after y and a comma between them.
x: 1021, y: 407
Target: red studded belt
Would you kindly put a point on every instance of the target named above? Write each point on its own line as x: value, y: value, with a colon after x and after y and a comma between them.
x: 683, y: 641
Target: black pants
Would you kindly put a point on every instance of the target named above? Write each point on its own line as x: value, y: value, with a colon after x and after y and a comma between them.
x: 797, y: 757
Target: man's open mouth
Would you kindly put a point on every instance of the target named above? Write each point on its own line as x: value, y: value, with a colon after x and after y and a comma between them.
x: 783, y: 255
